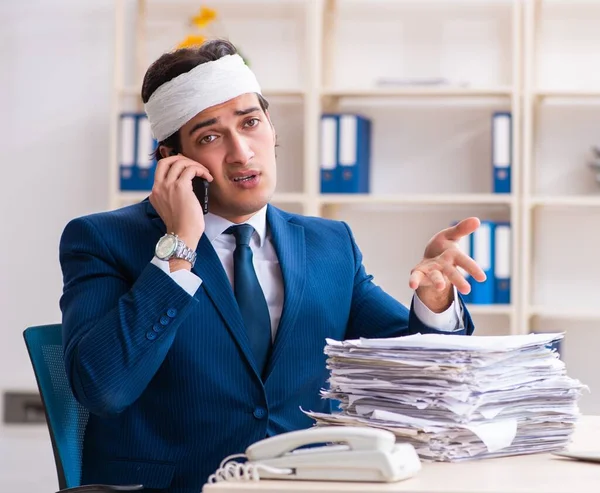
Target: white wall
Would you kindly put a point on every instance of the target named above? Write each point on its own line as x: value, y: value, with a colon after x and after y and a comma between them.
x: 55, y: 78
x: 55, y: 83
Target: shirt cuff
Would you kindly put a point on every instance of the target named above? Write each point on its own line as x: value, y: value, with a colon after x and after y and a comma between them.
x: 186, y: 279
x: 450, y: 320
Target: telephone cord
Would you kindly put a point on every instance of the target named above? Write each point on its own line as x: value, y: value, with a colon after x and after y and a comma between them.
x: 239, y: 471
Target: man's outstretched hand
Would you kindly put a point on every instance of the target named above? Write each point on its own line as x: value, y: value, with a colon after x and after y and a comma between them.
x: 434, y: 277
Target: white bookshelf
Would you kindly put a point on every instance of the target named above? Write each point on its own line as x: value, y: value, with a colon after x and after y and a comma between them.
x: 431, y: 146
x: 419, y: 92
x: 560, y: 196
x: 416, y: 199
x: 431, y: 158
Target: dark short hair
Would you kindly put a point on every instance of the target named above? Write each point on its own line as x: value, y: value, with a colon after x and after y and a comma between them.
x: 178, y: 62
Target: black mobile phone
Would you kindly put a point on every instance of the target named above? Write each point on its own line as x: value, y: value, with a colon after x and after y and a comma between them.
x: 200, y: 186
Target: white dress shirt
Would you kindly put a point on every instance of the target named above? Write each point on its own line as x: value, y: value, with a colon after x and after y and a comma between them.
x: 266, y: 265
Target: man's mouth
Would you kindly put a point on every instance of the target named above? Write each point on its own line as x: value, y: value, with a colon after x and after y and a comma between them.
x: 244, y: 178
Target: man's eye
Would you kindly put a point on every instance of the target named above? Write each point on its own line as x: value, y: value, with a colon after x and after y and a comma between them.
x: 252, y: 122
x: 207, y: 139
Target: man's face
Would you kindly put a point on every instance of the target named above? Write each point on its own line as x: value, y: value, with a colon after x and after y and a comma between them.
x: 235, y: 141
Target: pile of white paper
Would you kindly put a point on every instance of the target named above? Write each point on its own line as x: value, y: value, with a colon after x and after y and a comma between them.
x: 456, y: 397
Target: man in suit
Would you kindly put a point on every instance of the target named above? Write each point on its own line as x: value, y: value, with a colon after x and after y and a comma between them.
x: 190, y: 336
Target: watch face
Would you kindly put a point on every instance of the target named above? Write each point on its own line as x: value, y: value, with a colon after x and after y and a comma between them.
x: 166, y: 246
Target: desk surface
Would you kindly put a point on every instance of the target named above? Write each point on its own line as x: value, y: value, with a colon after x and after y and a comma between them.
x: 538, y: 473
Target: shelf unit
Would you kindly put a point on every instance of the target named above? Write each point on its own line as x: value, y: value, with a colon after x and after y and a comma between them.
x: 557, y: 186
x: 560, y: 196
x: 507, y: 49
x: 419, y: 92
x: 433, y: 206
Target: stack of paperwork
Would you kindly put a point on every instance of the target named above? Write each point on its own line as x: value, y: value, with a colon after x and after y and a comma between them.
x: 455, y: 397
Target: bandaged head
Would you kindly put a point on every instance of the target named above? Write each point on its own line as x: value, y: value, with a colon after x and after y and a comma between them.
x: 179, y: 100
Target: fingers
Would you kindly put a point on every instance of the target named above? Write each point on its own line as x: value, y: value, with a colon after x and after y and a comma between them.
x: 191, y: 172
x: 437, y: 279
x: 470, y: 266
x: 463, y: 228
x: 416, y: 278
x: 170, y: 169
x: 445, y: 268
x: 457, y: 279
x: 175, y: 171
x: 427, y: 277
x: 162, y: 167
x: 203, y: 172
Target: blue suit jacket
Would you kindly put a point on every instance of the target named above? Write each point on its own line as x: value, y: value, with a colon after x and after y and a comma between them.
x: 169, y: 378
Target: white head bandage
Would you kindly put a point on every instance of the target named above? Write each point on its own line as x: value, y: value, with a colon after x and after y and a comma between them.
x: 176, y: 102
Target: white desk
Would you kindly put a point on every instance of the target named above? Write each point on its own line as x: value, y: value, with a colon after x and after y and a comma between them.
x: 540, y: 473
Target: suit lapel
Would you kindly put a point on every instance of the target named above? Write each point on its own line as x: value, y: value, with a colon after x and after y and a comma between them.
x: 209, y: 268
x: 215, y: 283
x: 289, y: 242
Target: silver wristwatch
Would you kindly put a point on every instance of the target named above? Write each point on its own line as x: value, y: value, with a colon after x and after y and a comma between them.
x: 171, y: 246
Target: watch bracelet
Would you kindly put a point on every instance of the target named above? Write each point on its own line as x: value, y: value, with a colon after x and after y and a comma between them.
x: 182, y: 251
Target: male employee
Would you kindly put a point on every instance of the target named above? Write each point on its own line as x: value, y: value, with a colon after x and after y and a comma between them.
x: 189, y: 337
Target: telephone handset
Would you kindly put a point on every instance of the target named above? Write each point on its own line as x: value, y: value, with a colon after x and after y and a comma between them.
x: 200, y: 187
x: 364, y: 454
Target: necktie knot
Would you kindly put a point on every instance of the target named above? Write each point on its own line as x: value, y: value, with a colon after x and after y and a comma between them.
x: 242, y: 233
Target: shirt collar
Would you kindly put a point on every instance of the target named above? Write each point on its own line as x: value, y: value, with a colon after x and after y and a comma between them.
x: 214, y: 225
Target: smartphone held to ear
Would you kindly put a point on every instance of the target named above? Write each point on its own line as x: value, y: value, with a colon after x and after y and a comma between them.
x: 200, y: 186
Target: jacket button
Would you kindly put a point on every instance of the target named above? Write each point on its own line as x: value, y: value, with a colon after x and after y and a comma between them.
x: 259, y: 413
x: 164, y: 320
x: 157, y: 328
x: 172, y: 312
x: 150, y: 336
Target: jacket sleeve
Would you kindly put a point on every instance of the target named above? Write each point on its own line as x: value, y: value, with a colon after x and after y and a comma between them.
x: 116, y: 331
x: 376, y: 314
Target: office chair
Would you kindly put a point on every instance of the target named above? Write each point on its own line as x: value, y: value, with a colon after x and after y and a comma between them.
x: 65, y: 416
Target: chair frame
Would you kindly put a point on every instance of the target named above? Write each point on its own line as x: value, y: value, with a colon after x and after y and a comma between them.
x: 60, y: 471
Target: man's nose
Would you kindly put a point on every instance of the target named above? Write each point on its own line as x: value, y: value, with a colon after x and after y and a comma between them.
x: 239, y: 151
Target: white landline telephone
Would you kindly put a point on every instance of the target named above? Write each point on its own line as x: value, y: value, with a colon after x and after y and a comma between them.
x: 365, y: 454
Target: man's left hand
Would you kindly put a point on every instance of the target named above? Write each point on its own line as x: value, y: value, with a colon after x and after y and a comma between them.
x: 434, y: 277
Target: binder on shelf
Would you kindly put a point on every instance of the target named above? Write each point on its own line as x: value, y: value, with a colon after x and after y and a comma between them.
x: 127, y: 150
x: 464, y: 244
x: 502, y: 151
x: 328, y: 157
x: 502, y: 263
x: 146, y: 144
x: 354, y: 153
x: 136, y: 162
x: 483, y: 247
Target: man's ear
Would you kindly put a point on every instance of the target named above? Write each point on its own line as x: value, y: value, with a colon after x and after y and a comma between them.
x: 272, y: 127
x: 165, y: 151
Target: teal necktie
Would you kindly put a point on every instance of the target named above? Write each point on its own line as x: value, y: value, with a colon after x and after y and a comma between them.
x: 249, y: 295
